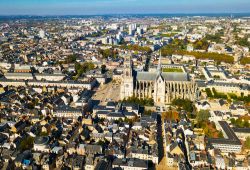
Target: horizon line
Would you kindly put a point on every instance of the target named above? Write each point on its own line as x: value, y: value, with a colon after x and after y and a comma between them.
x: 103, y: 14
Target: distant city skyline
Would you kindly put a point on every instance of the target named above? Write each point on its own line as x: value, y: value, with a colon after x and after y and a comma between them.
x: 83, y: 7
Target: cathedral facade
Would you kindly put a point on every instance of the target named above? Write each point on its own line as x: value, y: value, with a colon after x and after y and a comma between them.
x: 162, y: 87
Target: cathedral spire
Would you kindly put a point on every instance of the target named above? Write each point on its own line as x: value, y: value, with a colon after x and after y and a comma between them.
x: 159, y: 65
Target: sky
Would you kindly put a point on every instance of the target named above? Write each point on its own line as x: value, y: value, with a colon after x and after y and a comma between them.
x: 85, y: 7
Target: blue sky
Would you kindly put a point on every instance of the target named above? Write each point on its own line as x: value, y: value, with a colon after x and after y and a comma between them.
x: 78, y: 7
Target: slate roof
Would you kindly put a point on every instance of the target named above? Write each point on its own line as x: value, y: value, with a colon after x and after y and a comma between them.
x: 41, y: 140
x: 102, y: 165
x: 102, y: 112
x: 167, y: 76
x: 133, y: 162
x: 111, y: 104
x: 241, y: 130
x: 201, y: 83
x: 129, y: 113
x: 48, y: 75
x: 65, y: 108
x: 93, y: 148
x: 115, y: 114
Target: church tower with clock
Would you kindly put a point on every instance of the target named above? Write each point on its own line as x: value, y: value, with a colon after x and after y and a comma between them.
x: 127, y: 84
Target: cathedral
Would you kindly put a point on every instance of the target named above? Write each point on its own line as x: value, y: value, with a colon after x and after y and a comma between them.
x: 162, y: 87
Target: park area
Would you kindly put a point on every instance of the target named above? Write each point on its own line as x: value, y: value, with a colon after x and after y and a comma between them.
x: 179, y: 70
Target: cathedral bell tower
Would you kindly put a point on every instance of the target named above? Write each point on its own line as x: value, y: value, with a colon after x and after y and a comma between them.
x: 127, y: 85
x: 159, y: 89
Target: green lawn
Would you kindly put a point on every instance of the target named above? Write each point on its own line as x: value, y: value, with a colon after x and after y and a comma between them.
x: 168, y: 34
x: 172, y: 70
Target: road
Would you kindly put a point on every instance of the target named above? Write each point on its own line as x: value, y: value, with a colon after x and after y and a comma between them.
x: 162, y: 146
x: 228, y: 33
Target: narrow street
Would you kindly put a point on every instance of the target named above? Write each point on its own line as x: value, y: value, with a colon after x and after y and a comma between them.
x: 162, y: 146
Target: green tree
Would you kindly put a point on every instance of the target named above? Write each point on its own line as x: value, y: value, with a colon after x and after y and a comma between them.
x: 247, y: 143
x: 243, y: 41
x: 209, y: 93
x: 220, y: 135
x: 108, y: 53
x: 239, y: 123
x: 180, y: 49
x: 232, y: 121
x: 83, y: 68
x: 87, y: 66
x: 245, y: 60
x: 184, y: 104
x: 103, y: 68
x: 142, y: 102
x: 191, y: 115
x: 136, y: 47
x: 201, y: 44
x: 246, y: 124
x: 214, y: 38
x: 27, y: 143
x: 219, y: 95
x: 70, y: 59
x: 203, y: 115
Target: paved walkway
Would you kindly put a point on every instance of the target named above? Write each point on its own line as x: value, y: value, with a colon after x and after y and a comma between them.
x: 107, y: 92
